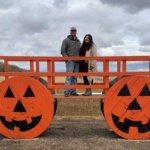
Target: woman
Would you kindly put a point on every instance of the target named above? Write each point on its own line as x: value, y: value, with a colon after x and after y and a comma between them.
x: 88, y: 49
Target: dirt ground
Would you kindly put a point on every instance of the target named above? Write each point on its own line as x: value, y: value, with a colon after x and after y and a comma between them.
x: 77, y: 125
x: 75, y: 133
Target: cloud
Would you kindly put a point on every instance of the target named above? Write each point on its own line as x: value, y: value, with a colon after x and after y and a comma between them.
x: 60, y: 4
x: 131, y: 6
x: 145, y: 49
x: 35, y: 27
x: 34, y: 18
x: 5, y: 4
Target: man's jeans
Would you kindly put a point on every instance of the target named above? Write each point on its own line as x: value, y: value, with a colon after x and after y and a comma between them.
x: 71, y: 66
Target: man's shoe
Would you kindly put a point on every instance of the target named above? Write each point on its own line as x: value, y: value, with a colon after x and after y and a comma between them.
x: 67, y: 95
x: 74, y: 94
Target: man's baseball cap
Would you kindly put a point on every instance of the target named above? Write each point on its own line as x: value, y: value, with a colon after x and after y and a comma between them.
x: 73, y: 28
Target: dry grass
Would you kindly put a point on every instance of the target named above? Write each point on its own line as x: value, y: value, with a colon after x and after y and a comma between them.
x: 76, y: 107
x: 2, y: 79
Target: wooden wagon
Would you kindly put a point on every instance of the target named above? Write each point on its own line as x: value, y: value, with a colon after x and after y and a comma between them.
x: 28, y: 103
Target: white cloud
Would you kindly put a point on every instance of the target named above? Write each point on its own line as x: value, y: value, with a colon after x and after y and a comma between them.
x: 35, y: 27
x: 131, y: 6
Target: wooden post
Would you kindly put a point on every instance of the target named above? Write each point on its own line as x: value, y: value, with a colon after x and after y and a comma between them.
x: 106, y: 78
x: 49, y: 78
x: 118, y: 69
x: 37, y: 69
x: 53, y: 78
x: 124, y: 67
x: 32, y: 66
x: 6, y: 67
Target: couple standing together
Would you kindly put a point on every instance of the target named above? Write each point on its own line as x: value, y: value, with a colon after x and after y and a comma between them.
x: 71, y: 46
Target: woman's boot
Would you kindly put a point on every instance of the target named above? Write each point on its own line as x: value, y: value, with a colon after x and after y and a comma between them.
x: 88, y: 92
x: 85, y: 92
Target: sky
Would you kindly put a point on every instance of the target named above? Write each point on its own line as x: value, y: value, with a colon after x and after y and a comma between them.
x: 37, y: 27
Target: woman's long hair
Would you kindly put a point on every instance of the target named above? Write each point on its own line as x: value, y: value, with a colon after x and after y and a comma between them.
x: 90, y: 41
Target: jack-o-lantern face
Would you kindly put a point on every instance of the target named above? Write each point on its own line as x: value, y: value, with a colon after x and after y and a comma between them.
x: 127, y: 107
x: 26, y: 108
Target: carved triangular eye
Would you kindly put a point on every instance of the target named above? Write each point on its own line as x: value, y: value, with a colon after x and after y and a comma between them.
x: 134, y: 105
x: 29, y: 92
x: 19, y: 107
x: 124, y: 91
x: 9, y: 93
x: 145, y: 91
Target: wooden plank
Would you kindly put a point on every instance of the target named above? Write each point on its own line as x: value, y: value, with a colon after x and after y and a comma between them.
x: 93, y: 96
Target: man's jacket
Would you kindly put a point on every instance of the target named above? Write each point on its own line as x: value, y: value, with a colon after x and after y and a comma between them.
x: 70, y: 46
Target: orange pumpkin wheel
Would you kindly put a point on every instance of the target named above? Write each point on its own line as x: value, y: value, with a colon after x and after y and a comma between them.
x: 111, y: 83
x: 127, y: 107
x: 44, y: 82
x: 26, y: 108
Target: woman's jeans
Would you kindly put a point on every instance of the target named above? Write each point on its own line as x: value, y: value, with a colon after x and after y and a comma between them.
x: 71, y: 66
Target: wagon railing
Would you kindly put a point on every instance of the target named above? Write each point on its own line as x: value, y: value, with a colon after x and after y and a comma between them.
x: 50, y: 73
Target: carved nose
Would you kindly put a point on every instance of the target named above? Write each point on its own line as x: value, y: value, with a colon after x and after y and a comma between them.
x: 134, y: 105
x: 19, y: 107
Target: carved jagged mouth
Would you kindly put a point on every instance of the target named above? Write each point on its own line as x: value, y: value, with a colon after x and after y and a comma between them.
x: 22, y: 125
x: 125, y: 126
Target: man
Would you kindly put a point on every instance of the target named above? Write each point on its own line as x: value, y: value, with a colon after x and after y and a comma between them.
x: 70, y: 47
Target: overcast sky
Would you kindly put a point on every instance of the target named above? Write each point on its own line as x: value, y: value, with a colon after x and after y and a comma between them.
x: 37, y: 27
